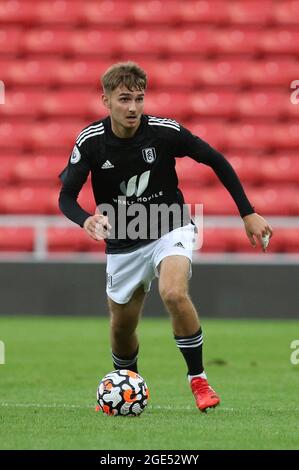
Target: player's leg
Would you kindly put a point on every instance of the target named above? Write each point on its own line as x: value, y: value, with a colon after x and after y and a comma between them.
x: 123, y: 322
x: 173, y: 288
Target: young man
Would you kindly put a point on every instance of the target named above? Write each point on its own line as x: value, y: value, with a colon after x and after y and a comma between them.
x: 131, y: 157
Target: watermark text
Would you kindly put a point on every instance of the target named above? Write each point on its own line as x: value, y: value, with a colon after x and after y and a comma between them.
x: 295, y: 354
x: 295, y: 94
x: 2, y: 353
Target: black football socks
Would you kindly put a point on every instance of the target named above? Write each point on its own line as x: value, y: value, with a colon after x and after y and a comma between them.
x: 191, y: 348
x: 126, y: 362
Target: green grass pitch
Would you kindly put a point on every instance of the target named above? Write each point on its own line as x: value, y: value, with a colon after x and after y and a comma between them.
x: 53, y: 366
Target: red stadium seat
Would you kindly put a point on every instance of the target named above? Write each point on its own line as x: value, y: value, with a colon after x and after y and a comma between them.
x: 191, y: 40
x: 274, y: 200
x: 281, y: 169
x: 59, y: 12
x: 107, y: 12
x: 215, y: 200
x: 272, y: 72
x: 295, y: 200
x: 74, y: 103
x: 54, y: 135
x: 279, y: 41
x: 17, y: 11
x: 22, y: 103
x: 238, y: 241
x: 39, y: 169
x: 247, y: 168
x: 218, y: 201
x: 24, y: 200
x: 233, y: 239
x: 172, y: 105
x: 172, y: 74
x: 47, y: 41
x: 41, y: 72
x: 96, y: 41
x: 250, y: 12
x: 286, y: 135
x: 192, y: 174
x: 291, y: 109
x: 215, y: 240
x: 155, y: 12
x: 213, y: 103
x: 222, y: 69
x: 237, y: 41
x: 249, y: 135
x: 232, y: 72
x: 14, y: 135
x: 212, y: 132
x: 142, y: 41
x: 20, y: 239
x: 10, y: 41
x: 6, y: 64
x: 7, y: 169
x: 65, y: 239
x: 209, y: 11
x: 80, y: 72
x: 71, y: 239
x: 289, y: 239
x: 286, y: 12
x: 262, y: 104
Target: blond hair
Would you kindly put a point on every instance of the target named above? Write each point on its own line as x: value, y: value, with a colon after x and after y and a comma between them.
x: 127, y: 74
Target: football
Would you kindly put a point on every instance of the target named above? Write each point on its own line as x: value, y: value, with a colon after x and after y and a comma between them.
x: 122, y: 392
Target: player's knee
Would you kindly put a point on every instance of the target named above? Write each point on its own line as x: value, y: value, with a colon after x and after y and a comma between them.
x: 173, y: 297
x: 121, y: 327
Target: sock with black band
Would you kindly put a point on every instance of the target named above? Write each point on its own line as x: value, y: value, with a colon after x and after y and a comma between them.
x: 126, y: 362
x: 191, y: 348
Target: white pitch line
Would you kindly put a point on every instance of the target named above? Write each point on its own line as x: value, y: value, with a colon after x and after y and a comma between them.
x: 150, y: 407
x: 64, y: 405
x: 42, y: 405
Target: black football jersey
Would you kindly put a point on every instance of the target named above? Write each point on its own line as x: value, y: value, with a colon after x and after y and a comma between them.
x: 138, y: 170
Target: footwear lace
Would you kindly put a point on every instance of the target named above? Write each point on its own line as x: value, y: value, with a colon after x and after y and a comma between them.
x: 201, y: 386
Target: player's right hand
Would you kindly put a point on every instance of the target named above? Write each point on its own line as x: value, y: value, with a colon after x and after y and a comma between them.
x: 97, y: 226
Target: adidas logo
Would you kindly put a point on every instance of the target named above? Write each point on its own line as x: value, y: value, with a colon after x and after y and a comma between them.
x: 179, y: 244
x: 107, y: 165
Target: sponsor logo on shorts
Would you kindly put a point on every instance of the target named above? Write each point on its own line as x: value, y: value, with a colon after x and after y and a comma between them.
x: 180, y: 245
x: 109, y: 280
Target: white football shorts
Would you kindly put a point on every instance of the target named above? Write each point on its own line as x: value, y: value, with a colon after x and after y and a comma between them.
x: 127, y: 271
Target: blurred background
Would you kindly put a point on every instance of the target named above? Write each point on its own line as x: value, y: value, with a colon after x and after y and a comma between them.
x: 222, y: 69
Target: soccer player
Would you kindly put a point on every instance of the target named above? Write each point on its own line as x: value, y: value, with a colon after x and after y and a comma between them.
x: 131, y: 157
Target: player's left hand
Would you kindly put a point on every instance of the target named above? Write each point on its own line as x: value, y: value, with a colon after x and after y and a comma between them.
x: 258, y: 229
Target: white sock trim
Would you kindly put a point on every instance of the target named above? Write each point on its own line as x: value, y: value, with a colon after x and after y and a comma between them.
x: 202, y: 376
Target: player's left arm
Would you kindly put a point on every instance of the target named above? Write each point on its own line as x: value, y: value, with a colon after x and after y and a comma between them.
x: 256, y: 227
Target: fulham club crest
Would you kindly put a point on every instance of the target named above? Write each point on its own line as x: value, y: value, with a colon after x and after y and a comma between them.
x: 149, y: 155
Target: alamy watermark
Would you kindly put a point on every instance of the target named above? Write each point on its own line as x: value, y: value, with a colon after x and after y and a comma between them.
x: 295, y: 94
x: 131, y: 220
x: 2, y: 92
x: 2, y: 353
x: 295, y: 354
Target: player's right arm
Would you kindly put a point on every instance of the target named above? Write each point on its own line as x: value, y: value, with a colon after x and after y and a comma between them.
x: 73, y: 177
